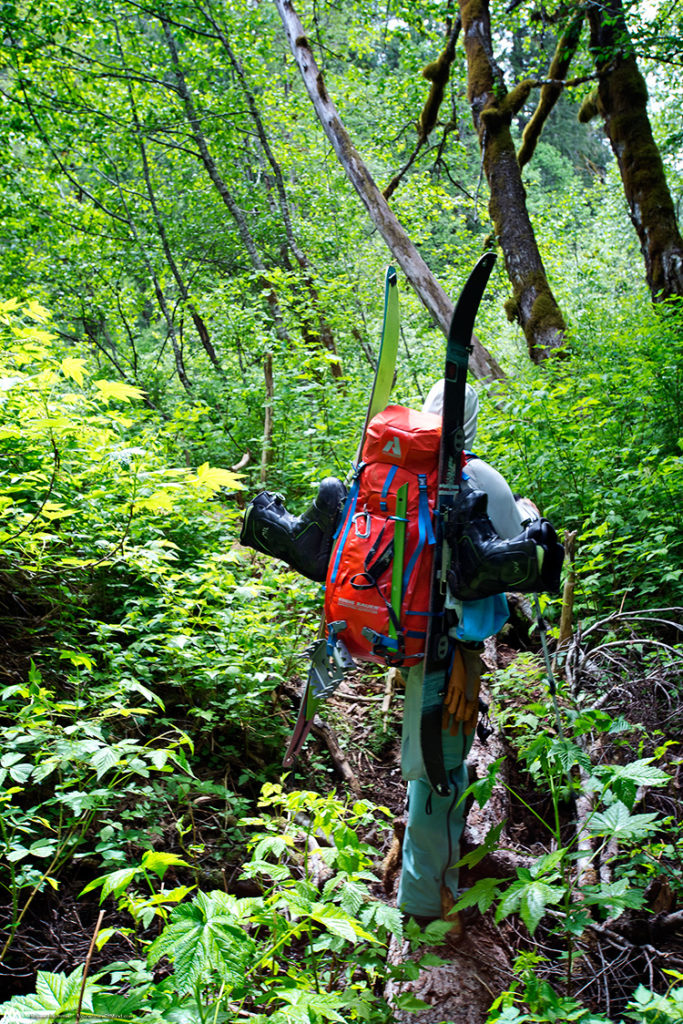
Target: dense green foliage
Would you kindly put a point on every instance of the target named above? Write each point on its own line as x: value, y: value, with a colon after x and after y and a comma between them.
x: 597, y: 442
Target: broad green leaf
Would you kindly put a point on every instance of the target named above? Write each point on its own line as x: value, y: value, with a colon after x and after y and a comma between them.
x: 104, y: 759
x: 336, y: 921
x: 568, y: 754
x: 10, y: 758
x: 118, y: 389
x: 482, y: 789
x: 530, y: 898
x: 215, y: 479
x: 43, y: 848
x: 112, y: 883
x: 78, y: 659
x: 352, y: 895
x: 641, y: 772
x: 159, y: 862
x: 615, y: 895
x: 273, y: 845
x: 55, y: 994
x: 160, y: 501
x: 545, y: 865
x: 308, y: 1005
x: 535, y: 900
x: 490, y: 843
x: 37, y: 312
x: 204, y: 936
x: 617, y: 821
x: 104, y: 935
x: 390, y: 918
x: 481, y: 894
x: 73, y: 367
x: 16, y: 854
x: 410, y: 1003
x: 624, y: 780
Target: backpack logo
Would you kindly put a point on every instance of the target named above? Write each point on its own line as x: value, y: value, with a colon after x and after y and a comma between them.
x: 393, y: 447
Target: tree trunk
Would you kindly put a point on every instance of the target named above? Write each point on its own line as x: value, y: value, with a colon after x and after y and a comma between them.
x: 220, y: 185
x: 323, y: 335
x: 197, y: 319
x: 622, y: 103
x: 406, y: 255
x: 267, y: 449
x: 532, y: 302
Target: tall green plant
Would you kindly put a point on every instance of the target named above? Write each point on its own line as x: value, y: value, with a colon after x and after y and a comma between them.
x: 595, y: 440
x: 312, y: 947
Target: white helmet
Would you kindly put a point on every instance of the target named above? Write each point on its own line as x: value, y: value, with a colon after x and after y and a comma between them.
x: 434, y: 403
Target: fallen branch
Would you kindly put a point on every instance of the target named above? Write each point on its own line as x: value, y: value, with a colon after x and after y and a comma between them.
x: 324, y: 732
x: 427, y: 288
x: 244, y: 461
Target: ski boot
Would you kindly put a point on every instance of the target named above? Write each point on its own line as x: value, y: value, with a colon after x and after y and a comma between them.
x: 305, y: 541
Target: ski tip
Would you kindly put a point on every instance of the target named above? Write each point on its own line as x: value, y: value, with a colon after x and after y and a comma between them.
x: 487, y: 260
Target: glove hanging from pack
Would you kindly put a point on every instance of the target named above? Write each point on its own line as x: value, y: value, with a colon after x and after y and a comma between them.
x: 461, y: 703
x: 484, y: 564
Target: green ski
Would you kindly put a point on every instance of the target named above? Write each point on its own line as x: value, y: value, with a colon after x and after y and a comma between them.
x: 386, y: 361
x: 325, y: 672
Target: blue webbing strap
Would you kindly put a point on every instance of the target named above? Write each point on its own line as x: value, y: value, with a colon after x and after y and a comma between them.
x: 380, y: 642
x: 385, y: 490
x: 426, y: 531
x: 331, y: 641
x: 347, y: 521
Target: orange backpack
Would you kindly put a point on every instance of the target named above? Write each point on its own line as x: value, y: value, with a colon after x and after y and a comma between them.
x: 379, y: 576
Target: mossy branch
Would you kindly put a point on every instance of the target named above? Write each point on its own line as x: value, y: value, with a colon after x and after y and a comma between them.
x: 437, y: 72
x: 589, y: 108
x: 552, y: 89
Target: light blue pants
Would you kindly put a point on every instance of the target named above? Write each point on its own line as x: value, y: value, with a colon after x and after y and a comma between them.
x: 432, y: 839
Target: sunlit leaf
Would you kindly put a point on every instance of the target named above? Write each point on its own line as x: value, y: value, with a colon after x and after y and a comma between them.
x: 215, y: 478
x: 73, y: 367
x: 118, y: 390
x: 37, y: 312
x: 159, y: 862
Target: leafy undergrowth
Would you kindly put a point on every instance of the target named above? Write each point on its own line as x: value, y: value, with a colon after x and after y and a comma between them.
x: 146, y: 671
x: 300, y: 928
x: 311, y: 945
x: 592, y: 912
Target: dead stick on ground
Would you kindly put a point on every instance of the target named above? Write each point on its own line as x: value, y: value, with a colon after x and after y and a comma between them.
x: 393, y: 677
x: 324, y: 732
x: 87, y: 966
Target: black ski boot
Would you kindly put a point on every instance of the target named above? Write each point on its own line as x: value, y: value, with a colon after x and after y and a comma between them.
x: 305, y: 541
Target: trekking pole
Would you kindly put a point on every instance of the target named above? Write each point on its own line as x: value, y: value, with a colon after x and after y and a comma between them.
x: 540, y: 622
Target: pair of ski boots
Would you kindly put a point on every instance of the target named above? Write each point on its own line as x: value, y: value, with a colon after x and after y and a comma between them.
x: 304, y: 542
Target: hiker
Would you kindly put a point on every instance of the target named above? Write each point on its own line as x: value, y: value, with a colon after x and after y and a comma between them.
x: 492, y: 553
x: 428, y: 883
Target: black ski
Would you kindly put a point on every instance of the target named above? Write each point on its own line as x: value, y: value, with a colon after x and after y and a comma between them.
x: 439, y: 644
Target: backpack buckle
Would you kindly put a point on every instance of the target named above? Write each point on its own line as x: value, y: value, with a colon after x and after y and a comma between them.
x: 365, y: 530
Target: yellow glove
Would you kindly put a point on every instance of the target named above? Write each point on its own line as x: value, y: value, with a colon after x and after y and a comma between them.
x: 461, y: 703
